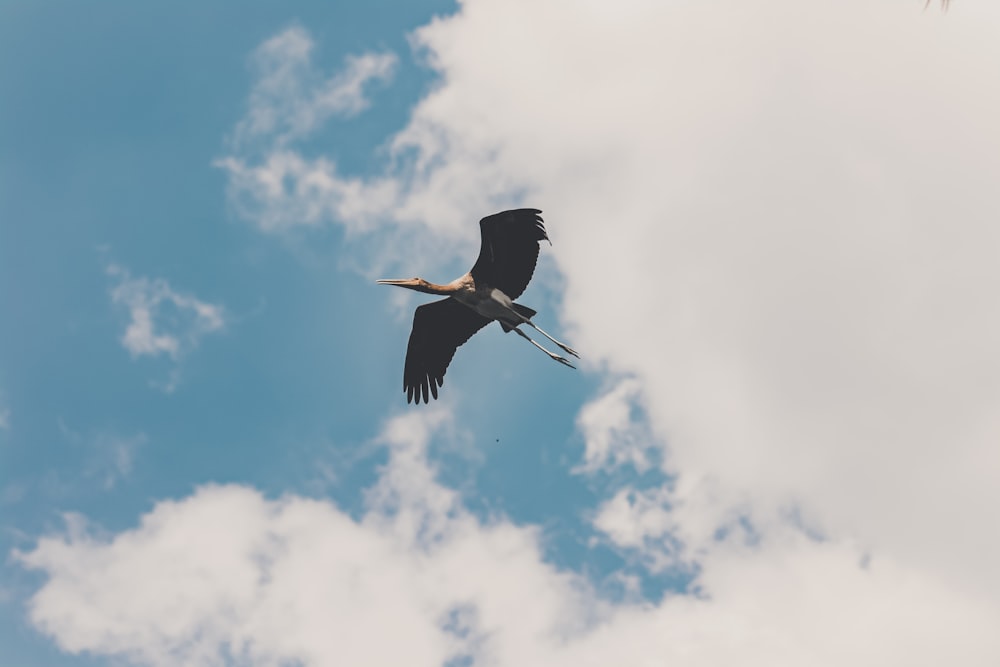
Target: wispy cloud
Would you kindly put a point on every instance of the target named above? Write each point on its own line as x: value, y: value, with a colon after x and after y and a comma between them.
x: 4, y: 418
x: 161, y: 320
x: 114, y: 457
x: 271, y: 183
x: 615, y: 431
x: 432, y: 181
x: 108, y: 456
x: 284, y: 189
x: 291, y: 98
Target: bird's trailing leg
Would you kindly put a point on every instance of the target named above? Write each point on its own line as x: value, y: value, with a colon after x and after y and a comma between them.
x: 566, y: 348
x: 561, y: 360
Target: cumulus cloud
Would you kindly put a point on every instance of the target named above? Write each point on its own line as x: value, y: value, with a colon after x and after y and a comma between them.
x: 228, y: 576
x: 778, y: 219
x: 161, y: 320
x: 227, y: 573
x: 791, y: 210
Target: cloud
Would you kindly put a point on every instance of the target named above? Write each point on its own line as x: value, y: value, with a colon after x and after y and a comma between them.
x: 161, y: 321
x: 431, y: 182
x: 227, y: 575
x: 778, y: 225
x: 269, y: 182
x: 115, y: 456
x: 109, y: 455
x: 640, y: 520
x: 779, y: 220
x: 615, y: 435
x: 290, y: 98
x: 285, y: 189
x: 292, y: 579
x: 4, y: 418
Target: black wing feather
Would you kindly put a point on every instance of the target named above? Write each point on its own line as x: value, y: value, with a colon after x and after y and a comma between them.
x: 439, y: 328
x: 509, y: 250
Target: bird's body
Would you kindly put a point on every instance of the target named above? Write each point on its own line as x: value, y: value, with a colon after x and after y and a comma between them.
x: 486, y: 300
x: 505, y: 265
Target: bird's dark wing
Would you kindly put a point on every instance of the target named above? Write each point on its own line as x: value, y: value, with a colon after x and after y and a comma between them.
x: 509, y: 250
x: 438, y: 329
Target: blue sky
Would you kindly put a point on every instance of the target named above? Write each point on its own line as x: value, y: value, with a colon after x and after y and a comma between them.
x: 195, y: 202
x: 113, y: 118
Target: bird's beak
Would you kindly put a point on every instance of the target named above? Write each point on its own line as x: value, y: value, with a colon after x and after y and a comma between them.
x: 403, y: 282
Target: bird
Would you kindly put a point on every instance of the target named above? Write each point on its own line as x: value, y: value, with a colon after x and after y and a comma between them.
x: 507, y: 257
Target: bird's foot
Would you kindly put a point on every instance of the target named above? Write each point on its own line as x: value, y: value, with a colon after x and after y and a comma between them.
x: 569, y: 350
x: 562, y: 360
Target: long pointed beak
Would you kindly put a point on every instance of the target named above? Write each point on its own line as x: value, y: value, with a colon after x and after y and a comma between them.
x: 396, y: 281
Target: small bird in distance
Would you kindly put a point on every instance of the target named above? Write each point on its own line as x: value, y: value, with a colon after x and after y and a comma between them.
x: 507, y: 258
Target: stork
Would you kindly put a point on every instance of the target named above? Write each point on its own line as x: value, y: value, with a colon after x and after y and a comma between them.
x: 507, y: 258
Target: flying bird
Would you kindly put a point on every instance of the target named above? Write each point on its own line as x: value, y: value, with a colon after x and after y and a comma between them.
x: 506, y: 262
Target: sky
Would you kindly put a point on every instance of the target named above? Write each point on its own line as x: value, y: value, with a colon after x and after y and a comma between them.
x: 774, y: 244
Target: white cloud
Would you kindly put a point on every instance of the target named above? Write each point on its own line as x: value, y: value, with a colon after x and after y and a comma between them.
x: 286, y: 189
x: 792, y: 212
x: 615, y: 434
x: 779, y: 220
x: 293, y: 579
x: 290, y: 98
x: 229, y: 576
x: 631, y: 517
x: 274, y: 185
x: 161, y: 321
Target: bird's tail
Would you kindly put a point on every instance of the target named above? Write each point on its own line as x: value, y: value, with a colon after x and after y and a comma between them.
x: 523, y: 311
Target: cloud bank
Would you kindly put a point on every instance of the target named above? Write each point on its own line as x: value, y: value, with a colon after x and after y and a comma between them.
x: 226, y: 576
x: 777, y: 219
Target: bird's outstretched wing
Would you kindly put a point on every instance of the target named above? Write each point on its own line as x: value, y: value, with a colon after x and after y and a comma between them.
x: 509, y: 250
x: 439, y: 328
